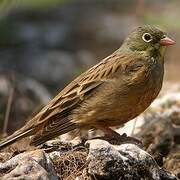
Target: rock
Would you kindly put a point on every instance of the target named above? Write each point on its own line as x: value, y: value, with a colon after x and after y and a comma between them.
x: 126, y: 161
x: 98, y: 159
x: 28, y: 165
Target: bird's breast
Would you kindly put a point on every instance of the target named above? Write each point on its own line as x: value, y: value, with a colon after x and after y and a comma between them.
x: 142, y: 93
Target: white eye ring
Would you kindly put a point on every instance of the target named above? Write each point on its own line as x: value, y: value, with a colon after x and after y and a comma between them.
x: 147, y: 37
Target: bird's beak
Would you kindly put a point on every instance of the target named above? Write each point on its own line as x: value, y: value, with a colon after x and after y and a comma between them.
x: 166, y: 41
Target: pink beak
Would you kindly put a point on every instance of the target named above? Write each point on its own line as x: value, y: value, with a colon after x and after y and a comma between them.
x: 166, y: 41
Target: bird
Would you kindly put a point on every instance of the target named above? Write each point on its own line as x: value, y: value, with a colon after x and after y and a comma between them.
x: 111, y: 93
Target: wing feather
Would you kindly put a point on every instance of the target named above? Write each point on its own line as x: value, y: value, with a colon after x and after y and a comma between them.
x: 70, y: 97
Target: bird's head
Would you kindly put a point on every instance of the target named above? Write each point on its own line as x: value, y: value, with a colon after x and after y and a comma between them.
x: 147, y: 38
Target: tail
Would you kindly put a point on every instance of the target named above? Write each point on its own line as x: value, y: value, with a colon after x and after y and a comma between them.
x: 48, y: 130
x: 14, y: 137
x: 49, y: 133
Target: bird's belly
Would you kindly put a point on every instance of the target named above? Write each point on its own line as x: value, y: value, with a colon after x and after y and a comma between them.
x: 134, y: 103
x: 132, y: 108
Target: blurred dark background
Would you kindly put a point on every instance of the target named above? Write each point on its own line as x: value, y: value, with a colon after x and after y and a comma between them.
x: 44, y: 44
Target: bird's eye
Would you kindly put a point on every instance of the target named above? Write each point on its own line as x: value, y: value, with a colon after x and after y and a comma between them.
x: 147, y: 37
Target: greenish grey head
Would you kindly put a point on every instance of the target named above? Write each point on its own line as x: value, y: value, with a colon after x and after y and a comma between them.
x: 147, y: 38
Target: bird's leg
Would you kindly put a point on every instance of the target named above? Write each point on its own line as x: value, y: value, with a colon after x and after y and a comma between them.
x: 108, y: 132
x: 113, y: 135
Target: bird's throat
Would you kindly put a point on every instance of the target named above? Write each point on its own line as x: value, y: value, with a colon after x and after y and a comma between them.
x: 162, y: 51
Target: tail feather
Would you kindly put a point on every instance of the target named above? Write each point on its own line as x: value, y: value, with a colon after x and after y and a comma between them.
x: 14, y: 137
x: 43, y: 132
x: 44, y: 136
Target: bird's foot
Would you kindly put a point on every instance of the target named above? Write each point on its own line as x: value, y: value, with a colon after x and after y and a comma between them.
x: 122, y: 139
x: 115, y: 138
x: 125, y: 138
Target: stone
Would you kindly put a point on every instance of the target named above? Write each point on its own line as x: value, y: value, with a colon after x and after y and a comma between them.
x: 30, y: 165
x: 125, y: 161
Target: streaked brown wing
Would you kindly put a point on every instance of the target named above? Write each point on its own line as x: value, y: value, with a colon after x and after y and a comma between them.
x: 71, y: 96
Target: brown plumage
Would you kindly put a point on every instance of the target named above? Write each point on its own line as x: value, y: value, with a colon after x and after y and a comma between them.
x: 114, y: 91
